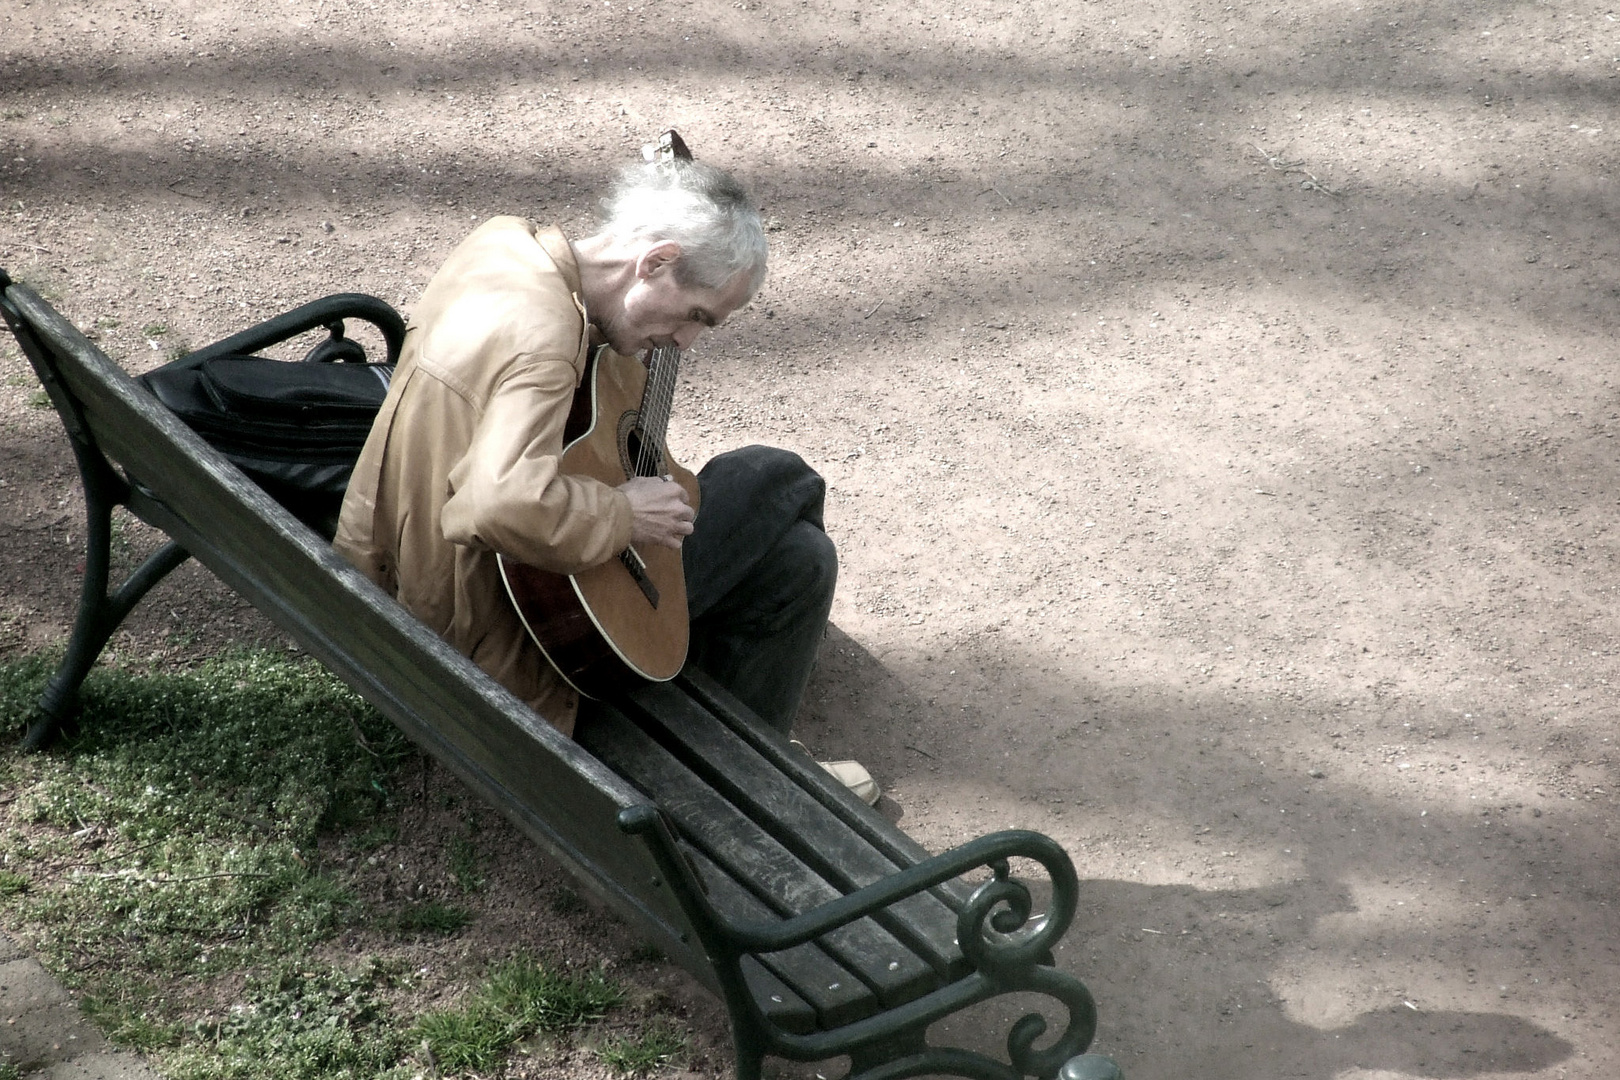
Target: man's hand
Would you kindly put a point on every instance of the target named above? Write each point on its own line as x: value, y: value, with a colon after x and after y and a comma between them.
x: 663, y: 516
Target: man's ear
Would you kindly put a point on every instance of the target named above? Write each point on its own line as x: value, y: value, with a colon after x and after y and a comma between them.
x: 662, y: 253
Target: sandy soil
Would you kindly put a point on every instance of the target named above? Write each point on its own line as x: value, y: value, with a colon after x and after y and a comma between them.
x: 1217, y: 402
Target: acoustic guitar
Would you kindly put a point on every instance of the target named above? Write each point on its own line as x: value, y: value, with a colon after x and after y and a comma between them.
x: 625, y: 620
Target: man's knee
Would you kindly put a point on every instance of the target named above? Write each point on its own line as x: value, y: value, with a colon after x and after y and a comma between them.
x: 807, y: 557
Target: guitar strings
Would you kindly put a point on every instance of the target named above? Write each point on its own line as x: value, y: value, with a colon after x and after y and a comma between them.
x: 654, y: 422
x: 657, y: 402
x: 668, y: 372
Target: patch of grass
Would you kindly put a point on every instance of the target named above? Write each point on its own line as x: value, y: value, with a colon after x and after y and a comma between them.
x: 125, y: 1010
x: 465, y: 1039
x: 154, y: 329
x: 41, y: 278
x: 544, y: 999
x: 661, y: 1044
x: 174, y: 843
x: 9, y: 1071
x: 167, y: 864
x: 210, y: 787
x: 432, y: 917
x: 118, y: 534
x: 521, y: 998
x: 39, y: 399
x: 301, y: 1021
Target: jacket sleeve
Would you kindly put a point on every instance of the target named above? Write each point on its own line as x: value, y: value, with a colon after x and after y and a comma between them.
x: 507, y: 493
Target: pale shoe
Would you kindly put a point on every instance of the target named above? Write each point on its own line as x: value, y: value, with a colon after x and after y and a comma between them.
x: 852, y: 774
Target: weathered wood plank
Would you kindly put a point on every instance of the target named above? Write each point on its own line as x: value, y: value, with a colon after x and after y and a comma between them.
x: 746, y: 852
x: 870, y: 826
x: 835, y: 994
x: 796, y: 815
x: 780, y: 1004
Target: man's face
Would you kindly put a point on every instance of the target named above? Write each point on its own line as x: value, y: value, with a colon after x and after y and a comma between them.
x: 658, y: 310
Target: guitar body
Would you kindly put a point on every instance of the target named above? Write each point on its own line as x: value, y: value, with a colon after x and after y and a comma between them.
x: 601, y: 628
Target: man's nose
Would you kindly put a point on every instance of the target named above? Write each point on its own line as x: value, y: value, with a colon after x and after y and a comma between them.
x: 687, y: 334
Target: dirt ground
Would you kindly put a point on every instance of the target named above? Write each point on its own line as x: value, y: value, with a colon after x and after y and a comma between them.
x: 1216, y: 399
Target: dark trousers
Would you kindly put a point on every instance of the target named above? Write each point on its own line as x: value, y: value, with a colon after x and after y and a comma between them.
x: 759, y: 640
x: 760, y: 574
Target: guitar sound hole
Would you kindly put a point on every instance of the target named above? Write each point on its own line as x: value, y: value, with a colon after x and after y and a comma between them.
x: 630, y: 449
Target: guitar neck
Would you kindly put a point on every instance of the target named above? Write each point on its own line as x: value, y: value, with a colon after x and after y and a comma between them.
x: 657, y: 400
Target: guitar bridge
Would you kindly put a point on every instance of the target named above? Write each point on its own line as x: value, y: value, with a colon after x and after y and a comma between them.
x: 638, y: 570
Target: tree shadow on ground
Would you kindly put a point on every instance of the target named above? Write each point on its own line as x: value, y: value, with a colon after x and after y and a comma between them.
x: 1182, y: 202
x: 1195, y: 981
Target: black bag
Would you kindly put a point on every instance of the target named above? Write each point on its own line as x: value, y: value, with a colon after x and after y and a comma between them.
x: 295, y: 428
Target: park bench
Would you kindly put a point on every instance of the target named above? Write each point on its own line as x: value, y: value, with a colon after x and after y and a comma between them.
x: 825, y: 930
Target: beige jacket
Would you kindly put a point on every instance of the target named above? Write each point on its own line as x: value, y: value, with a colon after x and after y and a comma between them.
x: 462, y: 460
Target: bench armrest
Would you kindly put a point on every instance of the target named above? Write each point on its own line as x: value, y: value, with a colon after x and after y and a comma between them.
x: 993, y: 929
x: 326, y: 311
x: 1009, y: 952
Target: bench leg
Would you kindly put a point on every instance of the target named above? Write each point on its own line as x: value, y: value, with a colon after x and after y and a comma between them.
x: 99, y: 615
x: 749, y: 1045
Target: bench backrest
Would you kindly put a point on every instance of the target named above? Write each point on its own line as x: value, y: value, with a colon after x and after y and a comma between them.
x: 559, y: 795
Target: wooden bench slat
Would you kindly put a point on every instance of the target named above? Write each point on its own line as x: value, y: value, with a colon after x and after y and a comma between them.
x: 876, y: 830
x: 748, y: 853
x: 777, y: 1001
x: 834, y: 993
x: 794, y: 816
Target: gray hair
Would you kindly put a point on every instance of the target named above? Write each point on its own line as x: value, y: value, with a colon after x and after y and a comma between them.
x: 703, y: 209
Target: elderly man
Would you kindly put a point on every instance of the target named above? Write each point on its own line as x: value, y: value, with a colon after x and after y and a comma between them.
x: 462, y: 462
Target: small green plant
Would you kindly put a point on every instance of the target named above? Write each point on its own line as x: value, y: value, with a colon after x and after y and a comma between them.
x: 645, y: 953
x: 179, y: 352
x: 155, y: 329
x: 521, y: 998
x: 566, y: 902
x: 465, y: 1039
x: 662, y: 1043
x: 432, y: 917
x: 466, y: 864
x: 118, y: 532
x: 544, y: 999
x: 126, y: 1011
x: 9, y: 1071
x: 373, y: 837
x: 12, y: 883
x: 41, y: 278
x: 39, y: 399
x: 107, y: 322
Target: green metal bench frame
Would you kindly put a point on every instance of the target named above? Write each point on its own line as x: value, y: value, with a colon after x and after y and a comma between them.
x: 611, y: 829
